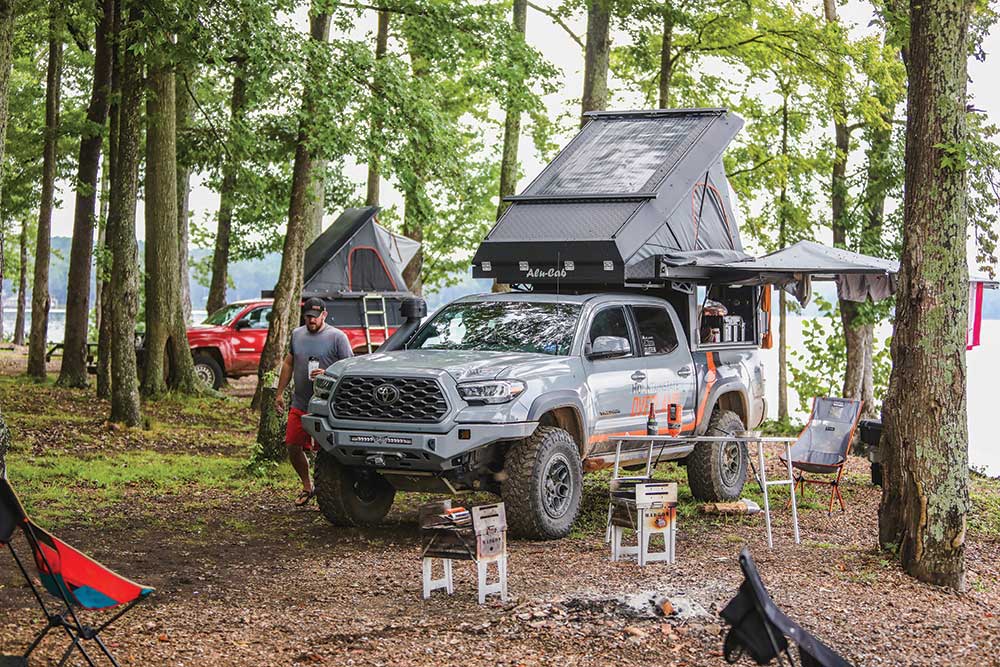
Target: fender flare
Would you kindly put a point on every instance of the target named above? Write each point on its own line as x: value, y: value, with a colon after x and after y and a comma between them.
x: 563, y: 398
x: 733, y: 386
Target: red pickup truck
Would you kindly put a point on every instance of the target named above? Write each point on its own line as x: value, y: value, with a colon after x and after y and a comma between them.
x: 230, y: 340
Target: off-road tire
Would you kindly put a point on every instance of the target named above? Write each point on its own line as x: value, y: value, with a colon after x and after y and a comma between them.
x: 536, y: 510
x: 337, y: 493
x: 208, y: 365
x: 709, y: 476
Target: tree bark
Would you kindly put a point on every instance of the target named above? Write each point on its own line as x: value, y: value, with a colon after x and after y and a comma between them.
x: 168, y: 360
x: 374, y: 163
x: 512, y: 124
x: 925, y: 494
x: 220, y: 258
x: 22, y: 286
x: 417, y: 208
x: 597, y: 57
x: 43, y: 244
x: 666, y: 59
x: 183, y: 117
x: 73, y: 372
x: 121, y: 227
x: 315, y: 205
x: 287, y: 290
x: 105, y: 243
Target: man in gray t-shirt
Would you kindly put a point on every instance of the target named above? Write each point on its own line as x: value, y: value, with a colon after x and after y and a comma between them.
x: 314, y: 347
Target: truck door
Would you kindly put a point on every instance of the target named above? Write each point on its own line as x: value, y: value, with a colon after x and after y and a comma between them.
x: 249, y: 337
x: 616, y: 383
x: 670, y: 372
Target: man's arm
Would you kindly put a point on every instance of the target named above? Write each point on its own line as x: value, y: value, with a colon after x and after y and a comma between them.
x: 284, y: 377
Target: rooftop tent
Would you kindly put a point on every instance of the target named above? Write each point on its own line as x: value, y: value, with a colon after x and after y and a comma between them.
x: 355, y: 254
x: 630, y: 187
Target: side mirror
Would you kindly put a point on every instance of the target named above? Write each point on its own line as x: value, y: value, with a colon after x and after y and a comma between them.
x: 243, y: 324
x: 607, y: 347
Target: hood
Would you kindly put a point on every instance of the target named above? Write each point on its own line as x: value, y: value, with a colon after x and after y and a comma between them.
x: 461, y: 365
x: 201, y: 329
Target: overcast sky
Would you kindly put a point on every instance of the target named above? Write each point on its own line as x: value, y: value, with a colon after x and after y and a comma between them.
x: 560, y: 49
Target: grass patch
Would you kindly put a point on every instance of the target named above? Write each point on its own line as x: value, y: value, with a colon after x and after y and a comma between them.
x: 984, y: 517
x: 56, y: 488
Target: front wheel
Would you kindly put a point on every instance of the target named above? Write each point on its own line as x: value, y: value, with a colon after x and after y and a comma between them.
x: 717, y: 471
x: 543, y: 484
x: 350, y: 496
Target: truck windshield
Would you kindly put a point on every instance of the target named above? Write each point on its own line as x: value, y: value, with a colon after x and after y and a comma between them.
x: 501, y: 326
x: 225, y: 314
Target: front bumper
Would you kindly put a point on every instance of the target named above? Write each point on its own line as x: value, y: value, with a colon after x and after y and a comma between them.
x: 403, y: 450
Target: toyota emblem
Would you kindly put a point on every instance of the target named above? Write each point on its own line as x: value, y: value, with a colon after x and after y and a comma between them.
x: 386, y: 394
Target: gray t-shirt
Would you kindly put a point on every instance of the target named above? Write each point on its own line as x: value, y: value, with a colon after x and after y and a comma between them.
x: 328, y: 345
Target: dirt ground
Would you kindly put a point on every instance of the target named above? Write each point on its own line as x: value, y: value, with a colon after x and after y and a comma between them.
x: 245, y: 578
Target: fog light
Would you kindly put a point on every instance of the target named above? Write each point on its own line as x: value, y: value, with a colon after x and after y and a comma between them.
x: 464, y: 434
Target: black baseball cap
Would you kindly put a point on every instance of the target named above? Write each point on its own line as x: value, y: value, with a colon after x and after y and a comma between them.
x: 313, y: 306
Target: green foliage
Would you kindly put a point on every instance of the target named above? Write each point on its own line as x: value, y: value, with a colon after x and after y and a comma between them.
x: 984, y: 189
x: 819, y: 366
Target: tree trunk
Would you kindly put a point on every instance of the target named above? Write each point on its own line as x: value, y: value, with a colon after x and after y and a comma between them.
x: 43, y: 243
x: 183, y: 118
x: 925, y: 494
x: 417, y: 207
x: 374, y: 163
x: 168, y: 360
x: 73, y: 372
x: 220, y: 258
x: 287, y: 290
x: 512, y: 125
x: 22, y: 286
x: 597, y: 57
x: 106, y: 316
x: 121, y: 228
x: 315, y: 205
x: 6, y: 62
x: 666, y: 60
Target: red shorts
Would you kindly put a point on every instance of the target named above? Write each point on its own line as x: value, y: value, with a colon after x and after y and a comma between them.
x: 295, y: 435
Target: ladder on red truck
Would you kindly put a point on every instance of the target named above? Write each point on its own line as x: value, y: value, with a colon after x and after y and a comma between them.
x: 378, y: 302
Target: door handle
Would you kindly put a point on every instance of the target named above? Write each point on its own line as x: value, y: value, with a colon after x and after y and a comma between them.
x: 638, y: 376
x: 684, y: 371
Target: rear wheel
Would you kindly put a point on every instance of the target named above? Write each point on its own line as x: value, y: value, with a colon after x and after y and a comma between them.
x: 208, y: 370
x: 543, y: 484
x: 717, y: 470
x: 350, y: 496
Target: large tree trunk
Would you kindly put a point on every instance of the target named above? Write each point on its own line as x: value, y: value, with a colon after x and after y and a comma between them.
x: 22, y: 286
x: 287, y: 290
x: 43, y: 243
x: 121, y: 228
x: 374, y: 163
x: 183, y: 118
x: 168, y: 358
x: 73, y: 372
x: 597, y: 57
x: 925, y: 495
x: 220, y: 258
x: 666, y: 58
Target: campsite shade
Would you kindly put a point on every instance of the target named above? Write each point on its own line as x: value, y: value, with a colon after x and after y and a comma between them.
x: 630, y: 186
x: 356, y: 254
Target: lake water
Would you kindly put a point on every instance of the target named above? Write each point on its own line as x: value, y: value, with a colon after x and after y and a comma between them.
x: 983, y: 370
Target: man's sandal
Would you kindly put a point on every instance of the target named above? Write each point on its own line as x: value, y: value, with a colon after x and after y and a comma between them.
x: 304, y: 497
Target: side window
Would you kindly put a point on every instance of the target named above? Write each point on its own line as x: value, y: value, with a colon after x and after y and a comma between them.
x: 609, y: 322
x: 259, y: 317
x: 656, y: 330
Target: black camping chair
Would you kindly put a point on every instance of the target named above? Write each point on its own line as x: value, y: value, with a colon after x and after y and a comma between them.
x: 762, y: 630
x: 824, y: 444
x: 78, y: 583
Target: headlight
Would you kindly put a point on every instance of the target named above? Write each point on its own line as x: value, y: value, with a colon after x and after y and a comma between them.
x: 323, y: 386
x: 491, y: 391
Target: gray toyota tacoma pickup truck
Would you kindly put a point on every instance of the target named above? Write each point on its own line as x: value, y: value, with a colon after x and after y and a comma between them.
x: 519, y: 394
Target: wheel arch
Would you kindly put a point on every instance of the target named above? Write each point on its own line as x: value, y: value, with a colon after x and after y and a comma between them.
x: 562, y: 409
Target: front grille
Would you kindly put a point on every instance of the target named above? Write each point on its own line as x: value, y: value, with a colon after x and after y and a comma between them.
x: 416, y: 399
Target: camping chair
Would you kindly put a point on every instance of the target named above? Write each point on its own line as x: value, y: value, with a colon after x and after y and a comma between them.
x: 762, y: 630
x: 824, y: 444
x: 78, y: 582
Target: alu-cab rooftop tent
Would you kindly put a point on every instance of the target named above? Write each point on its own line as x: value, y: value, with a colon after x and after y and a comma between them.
x: 355, y: 254
x: 631, y: 189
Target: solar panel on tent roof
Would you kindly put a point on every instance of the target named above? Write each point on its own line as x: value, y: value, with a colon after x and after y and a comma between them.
x: 626, y: 156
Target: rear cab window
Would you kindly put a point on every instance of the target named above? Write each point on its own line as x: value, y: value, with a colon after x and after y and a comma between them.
x: 656, y: 330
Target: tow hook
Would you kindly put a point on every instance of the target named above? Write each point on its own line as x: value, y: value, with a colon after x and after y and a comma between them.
x: 377, y: 460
